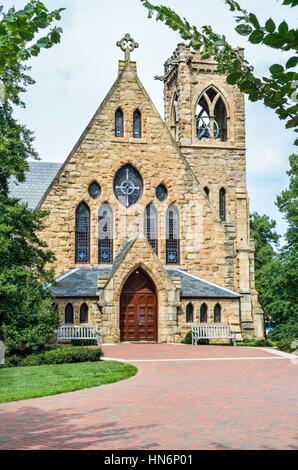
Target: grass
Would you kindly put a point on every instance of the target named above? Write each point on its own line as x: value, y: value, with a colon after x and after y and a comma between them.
x: 21, y: 383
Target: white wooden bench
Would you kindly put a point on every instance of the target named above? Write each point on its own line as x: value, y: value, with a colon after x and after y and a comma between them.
x: 77, y: 332
x: 212, y: 332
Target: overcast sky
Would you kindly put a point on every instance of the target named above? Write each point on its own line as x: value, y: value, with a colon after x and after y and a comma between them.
x: 74, y: 77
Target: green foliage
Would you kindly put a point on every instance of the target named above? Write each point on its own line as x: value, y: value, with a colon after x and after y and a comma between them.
x: 18, y: 31
x: 261, y: 343
x: 286, y: 345
x: 188, y: 339
x: 276, y: 270
x: 287, y: 330
x: 263, y: 233
x: 287, y: 204
x: 61, y: 355
x: 27, y: 317
x: 277, y: 91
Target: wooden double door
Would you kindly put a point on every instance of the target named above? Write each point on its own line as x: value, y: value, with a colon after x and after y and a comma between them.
x: 138, y: 309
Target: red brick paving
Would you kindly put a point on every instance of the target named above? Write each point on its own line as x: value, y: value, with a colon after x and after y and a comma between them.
x: 241, y: 404
x: 178, y: 351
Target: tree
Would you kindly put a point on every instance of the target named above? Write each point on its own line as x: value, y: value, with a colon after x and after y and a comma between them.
x: 276, y: 270
x: 267, y: 263
x: 264, y: 235
x: 279, y: 89
x: 288, y: 205
x: 27, y: 316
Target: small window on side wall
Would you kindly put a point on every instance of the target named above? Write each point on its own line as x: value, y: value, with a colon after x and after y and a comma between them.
x: 84, y: 313
x: 69, y: 314
x: 217, y: 313
x: 203, y: 313
x: 189, y: 313
x: 119, y: 123
x: 222, y: 204
x: 137, y: 124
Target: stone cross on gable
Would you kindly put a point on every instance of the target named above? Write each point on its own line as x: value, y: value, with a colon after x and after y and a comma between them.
x: 127, y: 44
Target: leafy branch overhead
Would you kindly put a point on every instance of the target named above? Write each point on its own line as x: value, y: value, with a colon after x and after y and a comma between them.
x: 279, y: 89
x: 18, y: 28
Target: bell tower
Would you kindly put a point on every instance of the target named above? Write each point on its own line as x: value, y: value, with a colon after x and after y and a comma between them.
x: 206, y: 117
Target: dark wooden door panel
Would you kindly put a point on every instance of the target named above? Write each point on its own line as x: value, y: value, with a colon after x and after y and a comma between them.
x: 138, y: 309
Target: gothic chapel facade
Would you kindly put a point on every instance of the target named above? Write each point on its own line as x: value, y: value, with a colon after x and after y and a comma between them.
x: 149, y: 220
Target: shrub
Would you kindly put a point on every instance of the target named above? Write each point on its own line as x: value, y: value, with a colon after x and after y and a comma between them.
x: 60, y: 355
x: 284, y: 331
x: 188, y: 339
x: 260, y: 343
x: 286, y: 345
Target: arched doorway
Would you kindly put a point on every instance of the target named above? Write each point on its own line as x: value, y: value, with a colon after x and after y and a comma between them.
x: 138, y: 308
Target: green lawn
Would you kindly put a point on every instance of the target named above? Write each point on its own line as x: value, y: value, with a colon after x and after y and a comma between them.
x: 21, y: 383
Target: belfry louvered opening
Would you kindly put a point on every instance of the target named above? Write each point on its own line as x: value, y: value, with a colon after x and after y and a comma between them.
x: 211, y: 116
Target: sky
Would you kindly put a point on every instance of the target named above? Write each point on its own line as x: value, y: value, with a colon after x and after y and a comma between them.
x: 73, y: 78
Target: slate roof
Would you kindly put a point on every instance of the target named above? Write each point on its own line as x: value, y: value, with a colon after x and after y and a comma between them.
x: 38, y: 179
x: 193, y: 286
x: 79, y: 282
x: 82, y: 282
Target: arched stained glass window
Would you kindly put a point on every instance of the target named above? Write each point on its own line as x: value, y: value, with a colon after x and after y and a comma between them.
x: 150, y: 226
x: 105, y: 235
x: 222, y: 204
x: 69, y: 314
x: 82, y: 233
x: 173, y: 236
x: 217, y: 313
x: 137, y: 124
x: 119, y: 123
x: 84, y: 313
x: 189, y: 313
x: 203, y: 313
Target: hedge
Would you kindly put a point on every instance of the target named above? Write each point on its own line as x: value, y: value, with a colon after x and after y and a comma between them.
x: 60, y: 355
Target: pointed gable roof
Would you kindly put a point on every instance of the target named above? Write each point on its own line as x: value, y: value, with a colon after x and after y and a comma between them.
x: 128, y: 73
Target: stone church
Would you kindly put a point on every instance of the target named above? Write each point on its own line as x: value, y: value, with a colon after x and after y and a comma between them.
x: 149, y: 219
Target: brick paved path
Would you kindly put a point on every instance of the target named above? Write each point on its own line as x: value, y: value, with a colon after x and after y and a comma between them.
x: 242, y: 398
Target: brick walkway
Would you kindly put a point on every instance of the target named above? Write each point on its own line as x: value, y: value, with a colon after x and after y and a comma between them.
x: 242, y: 398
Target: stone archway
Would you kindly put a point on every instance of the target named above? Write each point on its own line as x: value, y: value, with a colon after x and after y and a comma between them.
x: 138, y: 308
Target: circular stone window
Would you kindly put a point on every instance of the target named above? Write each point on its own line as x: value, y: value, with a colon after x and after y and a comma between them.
x: 128, y: 186
x: 94, y: 191
x: 161, y: 193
